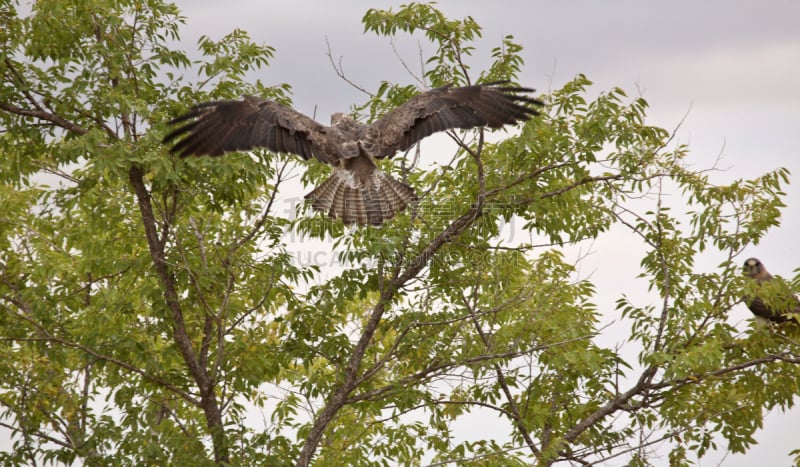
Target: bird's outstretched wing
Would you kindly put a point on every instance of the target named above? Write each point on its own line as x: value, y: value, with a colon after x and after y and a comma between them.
x: 440, y: 109
x: 214, y: 128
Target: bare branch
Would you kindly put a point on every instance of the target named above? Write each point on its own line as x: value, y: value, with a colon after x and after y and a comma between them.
x: 339, y: 69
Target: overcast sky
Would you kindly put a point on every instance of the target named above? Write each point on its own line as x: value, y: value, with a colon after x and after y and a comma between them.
x: 735, y: 70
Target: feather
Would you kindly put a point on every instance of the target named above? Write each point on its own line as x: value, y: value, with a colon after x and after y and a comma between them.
x: 357, y: 191
x: 766, y: 309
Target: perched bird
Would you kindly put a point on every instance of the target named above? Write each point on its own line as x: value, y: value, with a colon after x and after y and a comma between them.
x: 357, y: 191
x: 781, y: 301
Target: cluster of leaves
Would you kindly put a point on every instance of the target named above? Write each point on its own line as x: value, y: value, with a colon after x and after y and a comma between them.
x: 149, y: 305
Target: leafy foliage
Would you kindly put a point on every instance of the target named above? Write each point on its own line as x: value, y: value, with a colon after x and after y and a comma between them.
x: 150, y: 305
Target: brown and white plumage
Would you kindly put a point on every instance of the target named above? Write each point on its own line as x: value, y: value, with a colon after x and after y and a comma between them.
x: 357, y: 192
x: 754, y: 269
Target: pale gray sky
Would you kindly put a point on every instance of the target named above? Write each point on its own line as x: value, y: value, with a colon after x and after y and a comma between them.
x: 736, y: 67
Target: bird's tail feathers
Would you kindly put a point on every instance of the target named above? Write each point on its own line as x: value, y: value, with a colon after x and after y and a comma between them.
x: 372, y: 201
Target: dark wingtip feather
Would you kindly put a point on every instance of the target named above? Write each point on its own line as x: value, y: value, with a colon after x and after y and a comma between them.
x: 177, y: 133
x: 190, y: 120
x: 518, y: 94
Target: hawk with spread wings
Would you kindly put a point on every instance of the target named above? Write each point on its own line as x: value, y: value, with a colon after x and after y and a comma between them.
x: 357, y: 191
x: 777, y: 310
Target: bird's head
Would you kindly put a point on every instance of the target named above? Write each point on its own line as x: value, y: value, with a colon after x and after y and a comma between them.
x: 753, y: 268
x: 340, y: 118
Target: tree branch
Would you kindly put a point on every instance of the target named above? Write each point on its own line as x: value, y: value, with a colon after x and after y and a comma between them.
x: 514, y: 412
x: 208, y: 399
x: 46, y: 116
